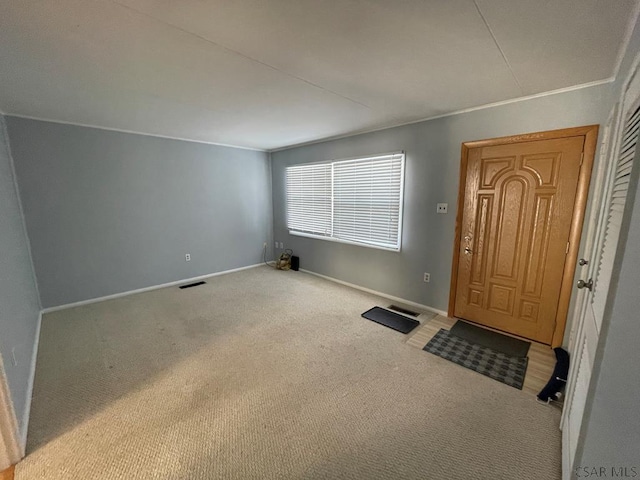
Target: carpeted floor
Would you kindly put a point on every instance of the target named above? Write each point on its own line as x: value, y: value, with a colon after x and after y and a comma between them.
x: 264, y: 374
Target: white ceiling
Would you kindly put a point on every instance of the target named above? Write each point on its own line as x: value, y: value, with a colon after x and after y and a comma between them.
x: 267, y: 74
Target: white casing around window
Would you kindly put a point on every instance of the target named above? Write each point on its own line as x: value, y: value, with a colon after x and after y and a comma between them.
x: 356, y: 201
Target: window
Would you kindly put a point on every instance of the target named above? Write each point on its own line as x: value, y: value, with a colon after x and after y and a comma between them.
x: 355, y: 201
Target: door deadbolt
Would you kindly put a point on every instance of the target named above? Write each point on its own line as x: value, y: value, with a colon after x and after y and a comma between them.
x: 588, y: 284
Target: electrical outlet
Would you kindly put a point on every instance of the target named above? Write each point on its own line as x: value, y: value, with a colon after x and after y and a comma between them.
x: 276, y: 244
x: 427, y: 277
x: 187, y: 257
x: 281, y: 245
x: 442, y: 207
x: 264, y: 245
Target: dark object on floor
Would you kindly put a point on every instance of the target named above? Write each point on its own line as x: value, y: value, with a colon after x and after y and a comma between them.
x: 295, y: 263
x: 552, y: 391
x: 496, y: 365
x: 192, y: 285
x: 391, y: 319
x: 403, y: 310
x: 510, y: 346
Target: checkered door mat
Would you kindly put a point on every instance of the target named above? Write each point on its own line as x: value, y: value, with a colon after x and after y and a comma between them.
x: 488, y: 362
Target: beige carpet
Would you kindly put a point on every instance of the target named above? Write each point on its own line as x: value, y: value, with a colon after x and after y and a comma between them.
x: 263, y: 374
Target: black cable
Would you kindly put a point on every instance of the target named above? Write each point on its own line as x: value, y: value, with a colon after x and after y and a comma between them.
x: 264, y: 257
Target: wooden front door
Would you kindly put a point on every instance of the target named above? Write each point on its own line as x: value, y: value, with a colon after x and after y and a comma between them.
x: 517, y: 217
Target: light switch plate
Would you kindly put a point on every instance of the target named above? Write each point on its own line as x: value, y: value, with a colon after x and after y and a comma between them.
x: 442, y: 207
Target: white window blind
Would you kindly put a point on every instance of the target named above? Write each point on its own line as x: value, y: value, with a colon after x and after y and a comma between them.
x: 309, y: 199
x: 366, y: 200
x: 618, y: 198
x: 362, y: 203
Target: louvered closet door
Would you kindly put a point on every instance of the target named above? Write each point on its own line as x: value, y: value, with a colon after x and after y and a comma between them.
x: 613, y: 220
x: 602, y: 240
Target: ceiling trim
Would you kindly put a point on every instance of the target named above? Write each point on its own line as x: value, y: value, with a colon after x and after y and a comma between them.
x: 633, y: 20
x: 327, y: 139
x: 132, y: 132
x: 457, y: 112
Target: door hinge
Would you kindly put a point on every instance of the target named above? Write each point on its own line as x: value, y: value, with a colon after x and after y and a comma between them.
x: 581, y: 158
x: 567, y: 250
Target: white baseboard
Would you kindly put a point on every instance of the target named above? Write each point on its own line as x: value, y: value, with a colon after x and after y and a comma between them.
x: 145, y: 289
x: 379, y: 294
x: 32, y: 374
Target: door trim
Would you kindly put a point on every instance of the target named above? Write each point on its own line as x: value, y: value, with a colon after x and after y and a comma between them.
x: 590, y: 134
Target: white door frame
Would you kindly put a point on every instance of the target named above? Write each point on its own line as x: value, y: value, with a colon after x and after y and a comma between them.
x: 594, y: 229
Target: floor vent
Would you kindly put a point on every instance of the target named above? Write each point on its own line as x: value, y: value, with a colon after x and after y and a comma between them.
x: 192, y: 285
x: 403, y: 310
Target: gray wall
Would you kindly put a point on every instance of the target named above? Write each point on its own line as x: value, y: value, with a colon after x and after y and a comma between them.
x: 433, y: 160
x: 610, y: 434
x: 109, y: 212
x: 19, y: 304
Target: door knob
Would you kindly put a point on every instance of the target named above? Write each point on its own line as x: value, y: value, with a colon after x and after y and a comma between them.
x: 468, y: 251
x: 582, y: 262
x: 588, y: 284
